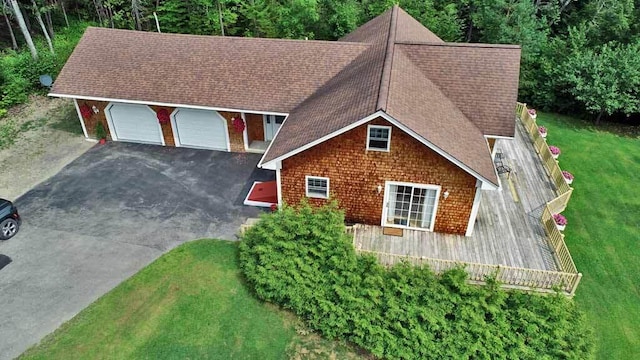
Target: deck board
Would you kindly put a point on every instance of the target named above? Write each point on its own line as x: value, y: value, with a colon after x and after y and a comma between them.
x: 508, y: 230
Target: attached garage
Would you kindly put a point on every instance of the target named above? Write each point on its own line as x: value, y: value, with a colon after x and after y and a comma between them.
x: 135, y: 123
x: 205, y: 129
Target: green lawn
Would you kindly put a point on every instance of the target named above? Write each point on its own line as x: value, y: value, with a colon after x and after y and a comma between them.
x: 603, y: 233
x: 189, y: 304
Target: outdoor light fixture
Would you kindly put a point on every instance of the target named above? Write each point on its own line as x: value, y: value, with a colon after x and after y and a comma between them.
x: 379, y: 189
x: 445, y: 194
x: 95, y: 109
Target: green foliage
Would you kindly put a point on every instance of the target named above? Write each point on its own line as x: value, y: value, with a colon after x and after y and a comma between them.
x: 605, y: 79
x: 19, y: 73
x: 301, y: 259
x: 8, y: 133
x: 101, y: 133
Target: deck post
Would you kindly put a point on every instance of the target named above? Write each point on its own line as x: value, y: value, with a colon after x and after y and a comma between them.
x: 576, y: 281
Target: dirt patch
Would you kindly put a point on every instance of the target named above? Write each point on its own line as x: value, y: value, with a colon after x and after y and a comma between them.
x: 37, y: 140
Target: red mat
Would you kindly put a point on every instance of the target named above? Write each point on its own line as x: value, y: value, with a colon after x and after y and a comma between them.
x: 266, y: 192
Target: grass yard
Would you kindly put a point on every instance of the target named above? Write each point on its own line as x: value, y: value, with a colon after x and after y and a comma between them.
x: 603, y: 231
x: 189, y: 304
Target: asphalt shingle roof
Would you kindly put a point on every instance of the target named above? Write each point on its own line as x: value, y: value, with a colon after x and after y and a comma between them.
x: 449, y: 94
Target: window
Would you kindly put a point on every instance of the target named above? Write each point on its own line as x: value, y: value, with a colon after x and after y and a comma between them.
x: 378, y: 138
x: 317, y: 187
x: 411, y: 205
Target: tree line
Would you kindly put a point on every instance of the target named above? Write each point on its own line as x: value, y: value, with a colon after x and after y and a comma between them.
x: 577, y: 56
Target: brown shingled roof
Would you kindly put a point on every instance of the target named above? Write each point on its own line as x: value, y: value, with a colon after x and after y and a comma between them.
x: 225, y: 72
x: 481, y: 79
x: 449, y: 95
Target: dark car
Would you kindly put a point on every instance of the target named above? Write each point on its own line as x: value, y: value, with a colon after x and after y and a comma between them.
x: 9, y: 219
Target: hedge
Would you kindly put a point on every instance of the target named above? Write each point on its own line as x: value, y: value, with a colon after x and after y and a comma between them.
x: 301, y: 259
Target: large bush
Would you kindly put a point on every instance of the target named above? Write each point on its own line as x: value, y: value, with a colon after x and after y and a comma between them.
x: 20, y: 74
x: 301, y: 259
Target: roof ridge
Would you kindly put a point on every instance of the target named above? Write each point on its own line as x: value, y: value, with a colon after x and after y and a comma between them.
x: 441, y: 90
x: 450, y: 44
x: 233, y: 37
x: 385, y: 77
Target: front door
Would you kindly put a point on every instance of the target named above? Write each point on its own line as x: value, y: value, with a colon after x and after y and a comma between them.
x: 410, y: 205
x: 271, y: 125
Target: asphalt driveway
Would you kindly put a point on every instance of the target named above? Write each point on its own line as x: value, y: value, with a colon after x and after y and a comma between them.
x: 104, y: 217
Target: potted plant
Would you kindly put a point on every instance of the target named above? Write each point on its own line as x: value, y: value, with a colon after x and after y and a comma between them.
x: 532, y: 113
x: 561, y: 221
x: 568, y: 177
x: 543, y: 131
x: 101, y: 133
x: 555, y: 151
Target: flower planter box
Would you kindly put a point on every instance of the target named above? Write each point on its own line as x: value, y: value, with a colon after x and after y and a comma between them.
x: 561, y: 227
x: 568, y: 177
x: 555, y: 156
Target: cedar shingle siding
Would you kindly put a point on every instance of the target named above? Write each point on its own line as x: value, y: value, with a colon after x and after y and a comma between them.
x: 355, y: 174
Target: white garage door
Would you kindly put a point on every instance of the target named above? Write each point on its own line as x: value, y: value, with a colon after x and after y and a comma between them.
x: 136, y: 123
x: 200, y: 129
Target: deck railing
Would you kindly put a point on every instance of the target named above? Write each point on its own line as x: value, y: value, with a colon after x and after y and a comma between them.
x: 566, y: 279
x: 509, y: 277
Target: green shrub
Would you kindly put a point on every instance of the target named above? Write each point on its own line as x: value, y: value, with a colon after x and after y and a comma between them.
x: 301, y: 259
x: 20, y: 74
x: 101, y: 133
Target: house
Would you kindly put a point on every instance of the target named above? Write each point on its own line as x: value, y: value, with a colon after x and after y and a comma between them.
x: 396, y: 124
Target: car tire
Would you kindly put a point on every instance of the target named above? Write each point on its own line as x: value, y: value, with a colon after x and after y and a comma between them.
x: 8, y: 228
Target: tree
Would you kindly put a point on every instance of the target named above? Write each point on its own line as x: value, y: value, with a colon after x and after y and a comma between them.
x: 23, y: 27
x: 4, y: 7
x: 38, y: 15
x: 605, y: 79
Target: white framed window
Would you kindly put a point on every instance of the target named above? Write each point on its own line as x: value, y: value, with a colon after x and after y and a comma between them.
x: 317, y: 187
x: 378, y: 138
x: 410, y: 206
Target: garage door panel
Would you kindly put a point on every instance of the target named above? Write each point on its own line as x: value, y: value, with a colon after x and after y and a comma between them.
x: 136, y: 123
x: 200, y: 129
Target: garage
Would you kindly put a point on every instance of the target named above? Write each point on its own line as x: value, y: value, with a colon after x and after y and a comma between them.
x: 135, y: 123
x: 204, y: 129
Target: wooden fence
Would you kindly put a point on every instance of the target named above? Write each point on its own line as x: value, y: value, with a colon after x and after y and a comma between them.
x: 508, y: 276
x: 566, y: 280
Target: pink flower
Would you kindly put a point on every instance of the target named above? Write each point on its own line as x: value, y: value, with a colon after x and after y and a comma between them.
x: 567, y: 175
x: 532, y: 111
x: 542, y: 129
x: 554, y: 150
x: 560, y: 220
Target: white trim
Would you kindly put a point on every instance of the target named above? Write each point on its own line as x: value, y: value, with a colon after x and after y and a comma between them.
x: 176, y: 134
x: 84, y: 128
x: 487, y: 185
x: 279, y: 183
x: 174, y: 128
x: 255, y: 203
x: 114, y: 135
x: 499, y: 137
x: 269, y: 164
x: 245, y: 135
x: 273, y: 163
x: 306, y: 186
x: 385, y: 204
x: 369, y: 127
x: 474, y: 209
x: 96, y: 98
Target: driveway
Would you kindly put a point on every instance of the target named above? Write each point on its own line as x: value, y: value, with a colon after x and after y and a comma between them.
x: 104, y: 217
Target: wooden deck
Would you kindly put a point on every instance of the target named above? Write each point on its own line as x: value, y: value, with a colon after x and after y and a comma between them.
x: 508, y: 230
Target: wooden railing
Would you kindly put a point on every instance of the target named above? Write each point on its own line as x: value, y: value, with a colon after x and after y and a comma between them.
x: 550, y: 164
x: 563, y: 190
x: 566, y: 279
x: 508, y: 276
